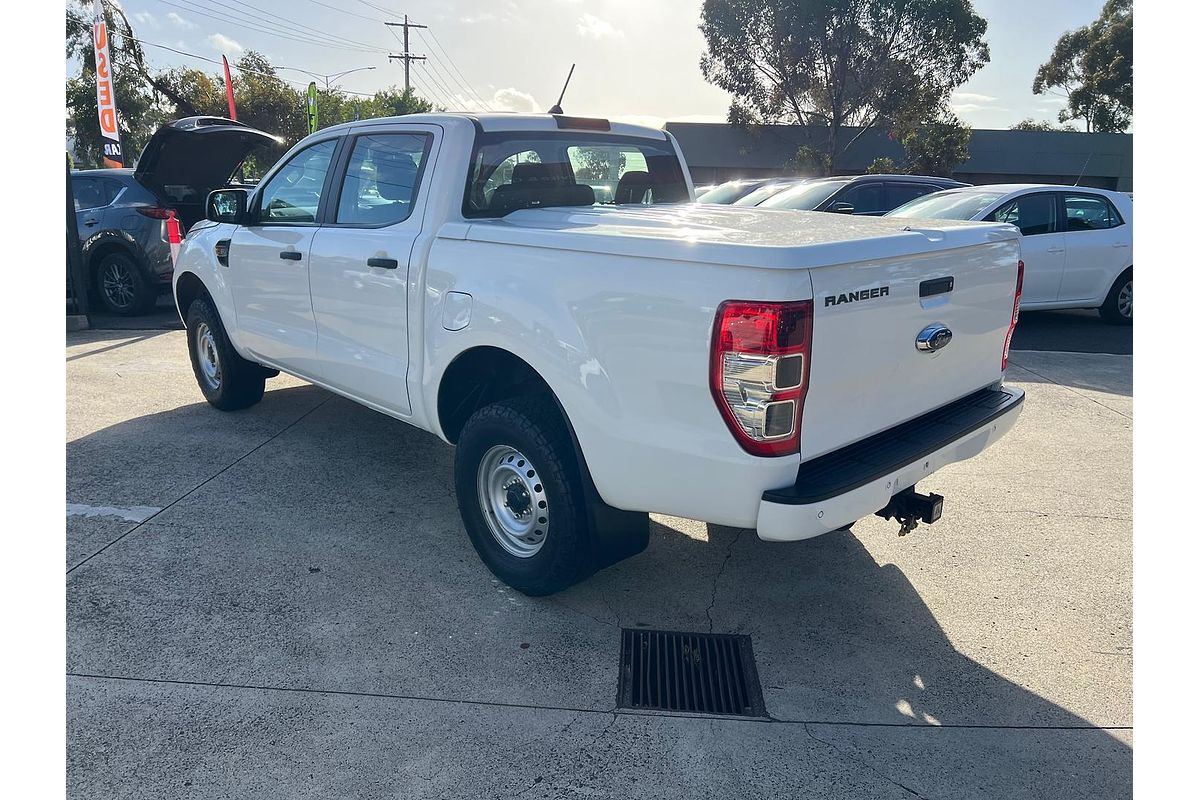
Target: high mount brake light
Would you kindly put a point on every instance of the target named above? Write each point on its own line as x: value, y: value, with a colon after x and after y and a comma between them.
x: 759, y: 372
x: 1012, y: 325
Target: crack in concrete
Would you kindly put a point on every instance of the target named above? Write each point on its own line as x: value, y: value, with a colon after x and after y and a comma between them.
x: 862, y: 762
x: 717, y: 578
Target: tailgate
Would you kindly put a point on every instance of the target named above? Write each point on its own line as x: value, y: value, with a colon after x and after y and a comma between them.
x: 866, y: 372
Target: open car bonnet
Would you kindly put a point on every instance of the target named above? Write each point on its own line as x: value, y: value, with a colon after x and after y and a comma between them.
x: 188, y: 158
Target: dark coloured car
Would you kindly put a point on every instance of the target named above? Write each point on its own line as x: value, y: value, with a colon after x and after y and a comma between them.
x: 729, y: 192
x: 122, y: 213
x: 867, y: 195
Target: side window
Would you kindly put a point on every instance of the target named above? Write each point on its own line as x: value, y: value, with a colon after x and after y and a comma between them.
x: 88, y: 193
x: 1032, y: 213
x: 1089, y: 212
x: 866, y: 198
x: 294, y: 192
x: 381, y: 178
x: 898, y: 194
x: 111, y: 190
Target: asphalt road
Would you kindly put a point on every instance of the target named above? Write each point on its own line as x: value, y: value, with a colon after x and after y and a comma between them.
x: 281, y: 602
x: 1063, y: 331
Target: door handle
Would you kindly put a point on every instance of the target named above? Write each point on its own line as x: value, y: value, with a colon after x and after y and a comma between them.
x: 1055, y: 249
x: 1120, y: 244
x: 290, y: 255
x: 383, y: 263
x: 90, y: 222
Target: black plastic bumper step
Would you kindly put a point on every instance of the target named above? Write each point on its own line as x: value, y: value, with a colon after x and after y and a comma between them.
x: 876, y: 456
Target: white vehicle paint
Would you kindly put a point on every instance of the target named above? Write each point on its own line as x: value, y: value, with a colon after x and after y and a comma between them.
x: 1079, y: 255
x: 609, y: 311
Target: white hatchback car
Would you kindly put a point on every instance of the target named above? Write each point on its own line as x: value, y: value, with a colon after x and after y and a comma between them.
x: 1077, y: 242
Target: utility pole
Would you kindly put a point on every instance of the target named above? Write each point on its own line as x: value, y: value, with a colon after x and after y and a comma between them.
x: 406, y: 57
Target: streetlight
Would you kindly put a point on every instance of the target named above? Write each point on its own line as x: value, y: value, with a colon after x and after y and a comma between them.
x: 328, y: 79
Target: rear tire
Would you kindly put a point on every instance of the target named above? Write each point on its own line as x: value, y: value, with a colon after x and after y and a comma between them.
x: 228, y: 381
x: 1118, y: 306
x: 521, y: 496
x: 122, y: 287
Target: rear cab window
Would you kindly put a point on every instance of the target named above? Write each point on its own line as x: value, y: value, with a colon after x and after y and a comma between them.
x: 511, y: 170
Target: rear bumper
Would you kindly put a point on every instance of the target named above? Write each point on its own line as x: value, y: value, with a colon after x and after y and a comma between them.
x: 841, y: 487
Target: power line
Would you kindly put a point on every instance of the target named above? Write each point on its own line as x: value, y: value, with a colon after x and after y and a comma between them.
x: 444, y: 72
x: 243, y: 23
x: 344, y: 11
x: 406, y: 57
x: 455, y: 67
x: 290, y: 25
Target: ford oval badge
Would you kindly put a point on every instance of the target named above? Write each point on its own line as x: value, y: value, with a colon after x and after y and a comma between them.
x: 933, y: 338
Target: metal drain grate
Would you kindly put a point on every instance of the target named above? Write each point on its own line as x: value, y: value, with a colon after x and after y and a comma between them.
x: 702, y: 673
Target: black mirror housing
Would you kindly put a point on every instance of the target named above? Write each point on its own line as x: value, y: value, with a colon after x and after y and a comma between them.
x: 227, y: 205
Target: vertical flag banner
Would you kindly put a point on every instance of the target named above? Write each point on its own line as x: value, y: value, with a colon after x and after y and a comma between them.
x: 312, y: 107
x: 106, y: 103
x: 229, y: 89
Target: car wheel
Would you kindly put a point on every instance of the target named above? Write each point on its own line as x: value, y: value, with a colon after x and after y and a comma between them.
x: 123, y: 289
x: 1118, y: 306
x: 520, y: 495
x: 228, y: 381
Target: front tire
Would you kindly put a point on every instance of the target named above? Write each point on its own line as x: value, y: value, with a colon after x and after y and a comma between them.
x: 521, y: 496
x: 123, y: 288
x: 228, y: 381
x: 1118, y: 306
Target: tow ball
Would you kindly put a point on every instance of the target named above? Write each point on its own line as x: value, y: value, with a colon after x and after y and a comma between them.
x: 910, y: 508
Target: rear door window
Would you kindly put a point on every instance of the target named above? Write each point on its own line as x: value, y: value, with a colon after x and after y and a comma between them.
x: 1089, y: 212
x: 381, y: 178
x: 1034, y: 214
x: 88, y: 193
x: 897, y: 194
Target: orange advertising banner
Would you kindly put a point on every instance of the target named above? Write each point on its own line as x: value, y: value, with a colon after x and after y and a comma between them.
x: 106, y: 102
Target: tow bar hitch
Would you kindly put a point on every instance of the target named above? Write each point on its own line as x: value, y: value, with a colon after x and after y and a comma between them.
x: 909, y: 508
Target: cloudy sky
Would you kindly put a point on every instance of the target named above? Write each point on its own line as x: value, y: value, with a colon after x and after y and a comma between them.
x: 637, y: 59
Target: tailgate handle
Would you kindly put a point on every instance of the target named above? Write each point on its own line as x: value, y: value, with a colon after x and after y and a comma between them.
x: 937, y: 286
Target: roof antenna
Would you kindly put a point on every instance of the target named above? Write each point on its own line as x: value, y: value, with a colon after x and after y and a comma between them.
x: 1085, y: 165
x: 557, y: 107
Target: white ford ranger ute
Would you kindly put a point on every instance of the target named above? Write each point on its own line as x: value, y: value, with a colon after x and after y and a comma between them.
x: 540, y: 292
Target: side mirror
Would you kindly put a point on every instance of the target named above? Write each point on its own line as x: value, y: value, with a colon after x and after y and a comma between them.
x: 841, y: 207
x: 227, y: 205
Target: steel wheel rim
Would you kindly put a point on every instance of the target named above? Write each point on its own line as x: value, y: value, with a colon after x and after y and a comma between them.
x: 206, y: 356
x: 513, y: 501
x: 117, y: 284
x: 1125, y: 300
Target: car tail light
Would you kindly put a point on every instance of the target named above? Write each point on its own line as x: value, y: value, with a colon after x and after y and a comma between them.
x: 1012, y: 325
x: 759, y: 372
x: 154, y: 212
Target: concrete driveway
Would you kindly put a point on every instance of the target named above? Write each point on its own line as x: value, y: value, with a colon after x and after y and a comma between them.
x: 282, y: 602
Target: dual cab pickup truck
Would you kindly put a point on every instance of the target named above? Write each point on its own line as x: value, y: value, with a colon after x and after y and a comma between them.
x: 540, y: 292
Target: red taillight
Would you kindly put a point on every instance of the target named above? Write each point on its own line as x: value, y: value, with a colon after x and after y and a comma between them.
x: 153, y: 212
x: 1012, y: 325
x: 759, y: 372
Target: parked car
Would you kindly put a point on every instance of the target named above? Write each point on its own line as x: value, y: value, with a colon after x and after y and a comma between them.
x: 769, y: 189
x: 1077, y: 243
x: 595, y: 362
x: 731, y: 191
x: 122, y: 213
x: 860, y: 195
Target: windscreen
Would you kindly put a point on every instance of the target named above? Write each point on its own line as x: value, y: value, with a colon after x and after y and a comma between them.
x: 515, y: 170
x: 804, y: 197
x: 762, y: 193
x: 947, y: 205
x: 725, y: 193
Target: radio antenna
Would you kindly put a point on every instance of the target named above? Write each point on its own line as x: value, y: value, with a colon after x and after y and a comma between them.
x: 557, y: 107
x: 1085, y: 166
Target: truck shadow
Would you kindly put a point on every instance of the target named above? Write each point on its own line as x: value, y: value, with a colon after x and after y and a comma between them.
x: 303, y: 561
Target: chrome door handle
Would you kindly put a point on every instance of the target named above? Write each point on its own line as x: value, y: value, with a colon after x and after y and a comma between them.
x: 383, y: 263
x: 290, y: 255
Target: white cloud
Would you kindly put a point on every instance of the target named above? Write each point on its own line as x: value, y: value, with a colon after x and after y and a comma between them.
x: 973, y: 97
x: 179, y: 21
x: 593, y: 27
x: 145, y: 18
x: 223, y: 44
x: 508, y: 99
x: 486, y: 16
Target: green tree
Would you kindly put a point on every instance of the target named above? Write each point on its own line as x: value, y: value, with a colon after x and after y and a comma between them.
x: 1030, y: 124
x: 839, y: 63
x: 883, y: 166
x: 1094, y: 66
x: 937, y: 146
